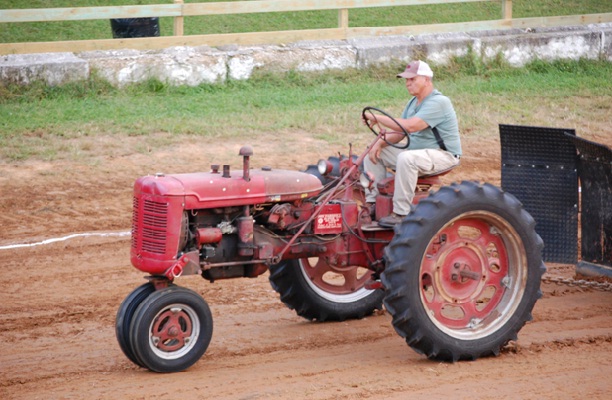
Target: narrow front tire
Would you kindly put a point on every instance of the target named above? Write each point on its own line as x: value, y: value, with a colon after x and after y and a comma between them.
x: 171, y: 329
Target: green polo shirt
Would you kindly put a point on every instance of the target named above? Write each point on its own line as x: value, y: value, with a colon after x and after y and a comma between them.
x: 437, y: 111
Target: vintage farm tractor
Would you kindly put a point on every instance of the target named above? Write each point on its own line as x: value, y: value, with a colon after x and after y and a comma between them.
x: 459, y: 276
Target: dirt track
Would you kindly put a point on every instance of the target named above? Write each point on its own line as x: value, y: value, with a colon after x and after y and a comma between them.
x: 58, y: 303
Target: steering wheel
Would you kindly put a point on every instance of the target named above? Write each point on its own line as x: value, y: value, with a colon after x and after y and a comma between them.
x: 373, y: 111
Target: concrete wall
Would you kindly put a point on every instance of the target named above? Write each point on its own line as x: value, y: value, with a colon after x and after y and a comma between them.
x: 195, y: 65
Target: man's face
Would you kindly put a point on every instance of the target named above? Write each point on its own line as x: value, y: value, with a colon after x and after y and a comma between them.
x: 416, y: 85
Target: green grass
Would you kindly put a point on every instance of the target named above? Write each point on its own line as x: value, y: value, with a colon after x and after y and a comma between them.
x: 50, y: 123
x: 40, y: 122
x: 386, y: 16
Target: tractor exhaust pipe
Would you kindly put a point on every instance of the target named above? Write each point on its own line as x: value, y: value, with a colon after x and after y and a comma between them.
x: 246, y: 152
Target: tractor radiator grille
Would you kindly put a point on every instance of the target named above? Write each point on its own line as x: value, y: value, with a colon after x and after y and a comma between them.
x: 149, y: 225
x: 135, y: 214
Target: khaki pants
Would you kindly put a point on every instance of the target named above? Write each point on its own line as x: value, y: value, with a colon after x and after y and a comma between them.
x: 408, y: 166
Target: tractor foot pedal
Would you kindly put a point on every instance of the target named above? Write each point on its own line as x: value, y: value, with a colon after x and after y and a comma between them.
x: 373, y: 285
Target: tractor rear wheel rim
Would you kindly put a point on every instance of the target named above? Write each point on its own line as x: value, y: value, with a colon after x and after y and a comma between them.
x: 473, y: 275
x: 345, y: 285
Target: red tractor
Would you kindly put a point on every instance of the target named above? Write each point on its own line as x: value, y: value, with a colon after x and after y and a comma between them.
x: 459, y: 276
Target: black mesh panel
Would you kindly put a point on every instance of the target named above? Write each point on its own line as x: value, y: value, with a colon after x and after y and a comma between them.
x: 539, y: 168
x: 595, y: 172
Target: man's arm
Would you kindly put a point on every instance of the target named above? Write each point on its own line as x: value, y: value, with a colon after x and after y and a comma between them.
x: 412, y: 124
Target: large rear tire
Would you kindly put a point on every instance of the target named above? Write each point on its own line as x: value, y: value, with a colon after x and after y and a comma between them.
x: 463, y: 272
x: 317, y: 292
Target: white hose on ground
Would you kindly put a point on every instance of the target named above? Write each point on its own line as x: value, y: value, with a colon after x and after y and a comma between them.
x: 60, y: 239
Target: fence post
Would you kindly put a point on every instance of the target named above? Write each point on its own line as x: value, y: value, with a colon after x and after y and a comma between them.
x: 506, y: 9
x: 178, y: 21
x: 343, y: 20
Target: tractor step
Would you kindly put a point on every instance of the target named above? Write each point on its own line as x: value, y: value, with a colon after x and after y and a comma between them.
x: 373, y: 226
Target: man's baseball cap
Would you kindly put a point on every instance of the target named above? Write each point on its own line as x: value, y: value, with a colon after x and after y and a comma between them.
x: 416, y: 68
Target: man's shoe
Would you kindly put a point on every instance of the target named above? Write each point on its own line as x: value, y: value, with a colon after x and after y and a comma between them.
x: 391, y: 220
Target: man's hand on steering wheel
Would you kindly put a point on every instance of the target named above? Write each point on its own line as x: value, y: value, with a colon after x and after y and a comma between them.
x: 368, y: 115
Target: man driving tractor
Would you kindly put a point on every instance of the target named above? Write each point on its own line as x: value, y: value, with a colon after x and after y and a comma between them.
x: 435, y: 146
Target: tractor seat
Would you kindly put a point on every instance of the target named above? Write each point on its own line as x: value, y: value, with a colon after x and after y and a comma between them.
x: 434, y: 179
x: 424, y: 182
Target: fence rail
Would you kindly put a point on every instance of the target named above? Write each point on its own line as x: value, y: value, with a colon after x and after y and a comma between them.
x: 179, y: 11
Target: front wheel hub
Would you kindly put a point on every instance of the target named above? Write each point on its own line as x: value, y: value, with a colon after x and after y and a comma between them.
x: 171, y: 330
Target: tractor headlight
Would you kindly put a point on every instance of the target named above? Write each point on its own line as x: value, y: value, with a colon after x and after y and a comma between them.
x: 366, y: 180
x: 324, y: 167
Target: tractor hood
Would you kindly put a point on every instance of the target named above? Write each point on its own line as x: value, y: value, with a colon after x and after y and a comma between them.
x: 212, y: 189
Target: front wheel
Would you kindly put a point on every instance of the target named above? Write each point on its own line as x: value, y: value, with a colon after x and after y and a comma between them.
x: 316, y: 291
x: 124, y: 316
x: 463, y: 272
x: 171, y: 329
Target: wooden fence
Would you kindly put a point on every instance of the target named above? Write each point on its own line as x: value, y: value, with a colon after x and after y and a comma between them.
x: 179, y: 11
